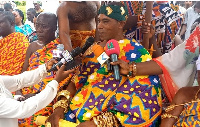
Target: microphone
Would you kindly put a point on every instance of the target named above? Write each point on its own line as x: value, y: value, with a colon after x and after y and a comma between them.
x: 102, y: 57
x: 88, y: 43
x: 67, y: 57
x: 57, y: 53
x: 113, y: 50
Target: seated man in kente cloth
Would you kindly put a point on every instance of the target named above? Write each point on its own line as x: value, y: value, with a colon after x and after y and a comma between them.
x: 99, y: 99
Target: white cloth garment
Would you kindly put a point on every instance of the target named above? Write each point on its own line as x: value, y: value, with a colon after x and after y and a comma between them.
x: 10, y: 109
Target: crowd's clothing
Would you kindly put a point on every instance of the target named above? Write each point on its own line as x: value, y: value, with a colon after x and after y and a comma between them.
x: 12, y: 53
x: 39, y: 57
x: 134, y: 101
x: 12, y: 109
x: 33, y: 37
x: 166, y: 21
x: 179, y: 65
x: 31, y: 24
x: 190, y: 17
x: 78, y: 38
x: 24, y: 29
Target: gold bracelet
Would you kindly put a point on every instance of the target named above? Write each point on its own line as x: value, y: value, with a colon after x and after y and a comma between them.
x: 168, y: 116
x: 105, y: 119
x: 61, y: 103
x: 64, y: 93
x: 134, y: 69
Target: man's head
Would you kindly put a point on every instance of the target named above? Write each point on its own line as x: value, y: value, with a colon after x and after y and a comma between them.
x: 197, y: 7
x: 7, y: 23
x: 188, y: 4
x: 196, y: 22
x: 46, y: 26
x: 31, y: 13
x: 8, y: 7
x: 37, y: 5
x: 111, y: 20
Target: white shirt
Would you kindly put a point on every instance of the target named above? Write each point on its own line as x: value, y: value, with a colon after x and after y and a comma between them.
x: 190, y: 17
x: 10, y: 109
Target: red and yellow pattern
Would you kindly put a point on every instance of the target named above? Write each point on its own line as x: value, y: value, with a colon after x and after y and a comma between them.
x: 79, y: 38
x: 12, y: 53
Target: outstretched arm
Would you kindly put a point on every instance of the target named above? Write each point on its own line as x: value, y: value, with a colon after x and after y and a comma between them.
x: 63, y: 24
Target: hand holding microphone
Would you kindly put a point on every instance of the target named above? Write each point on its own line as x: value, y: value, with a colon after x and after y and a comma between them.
x: 113, y: 50
x: 69, y: 57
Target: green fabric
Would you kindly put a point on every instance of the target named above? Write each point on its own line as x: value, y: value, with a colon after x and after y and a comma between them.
x: 114, y: 11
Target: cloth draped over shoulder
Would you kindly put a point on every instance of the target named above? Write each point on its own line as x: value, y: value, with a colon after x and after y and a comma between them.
x: 39, y: 57
x: 134, y: 101
x: 12, y: 53
x: 179, y: 65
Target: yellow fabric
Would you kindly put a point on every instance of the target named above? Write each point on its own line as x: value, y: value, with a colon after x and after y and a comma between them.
x: 12, y: 53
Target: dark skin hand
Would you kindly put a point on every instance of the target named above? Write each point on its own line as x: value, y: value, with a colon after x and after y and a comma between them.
x: 87, y: 124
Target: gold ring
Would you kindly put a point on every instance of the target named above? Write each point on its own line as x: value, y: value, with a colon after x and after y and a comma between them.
x: 48, y: 124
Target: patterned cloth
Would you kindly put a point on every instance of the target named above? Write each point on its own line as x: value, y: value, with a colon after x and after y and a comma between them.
x: 24, y: 29
x: 78, y: 38
x: 179, y: 65
x: 166, y: 21
x: 134, y: 101
x: 190, y: 116
x: 12, y: 53
x: 39, y: 57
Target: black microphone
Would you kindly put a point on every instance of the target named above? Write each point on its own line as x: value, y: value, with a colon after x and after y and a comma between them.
x: 88, y: 43
x: 67, y: 57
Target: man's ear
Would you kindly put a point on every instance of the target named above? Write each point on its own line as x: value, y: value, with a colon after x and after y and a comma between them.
x: 12, y: 23
x: 122, y: 24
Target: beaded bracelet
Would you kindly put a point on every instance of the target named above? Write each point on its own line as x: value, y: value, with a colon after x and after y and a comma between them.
x: 133, y: 70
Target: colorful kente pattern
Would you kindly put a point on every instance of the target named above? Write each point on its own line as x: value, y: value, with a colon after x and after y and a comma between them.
x: 12, y: 53
x: 134, y: 101
x: 39, y: 57
x: 166, y: 21
x: 190, y: 116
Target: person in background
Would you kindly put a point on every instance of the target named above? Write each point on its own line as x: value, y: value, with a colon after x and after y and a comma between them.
x: 13, y: 45
x: 77, y: 21
x: 191, y: 15
x: 19, y: 23
x: 31, y: 15
x: 8, y: 7
x: 37, y: 6
x: 11, y: 109
x: 1, y: 9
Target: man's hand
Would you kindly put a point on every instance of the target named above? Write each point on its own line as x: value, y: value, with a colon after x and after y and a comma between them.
x: 147, y: 28
x: 56, y: 116
x: 123, y: 66
x: 50, y: 63
x: 61, y: 74
x: 87, y: 124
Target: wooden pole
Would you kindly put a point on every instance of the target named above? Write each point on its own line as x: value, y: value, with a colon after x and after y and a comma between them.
x: 148, y: 16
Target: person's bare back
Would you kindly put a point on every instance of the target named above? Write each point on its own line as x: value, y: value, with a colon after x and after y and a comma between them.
x: 76, y: 16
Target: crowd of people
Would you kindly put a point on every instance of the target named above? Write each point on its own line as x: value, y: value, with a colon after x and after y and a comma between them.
x: 155, y: 86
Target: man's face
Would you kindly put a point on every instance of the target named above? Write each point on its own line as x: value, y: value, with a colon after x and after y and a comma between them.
x: 37, y: 6
x: 30, y: 16
x: 5, y: 26
x: 43, y: 28
x: 107, y: 27
x: 197, y: 10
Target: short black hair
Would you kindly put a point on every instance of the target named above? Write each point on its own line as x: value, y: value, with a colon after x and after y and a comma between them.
x: 197, y: 5
x: 7, y: 6
x: 32, y: 10
x: 9, y: 16
x: 21, y: 14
